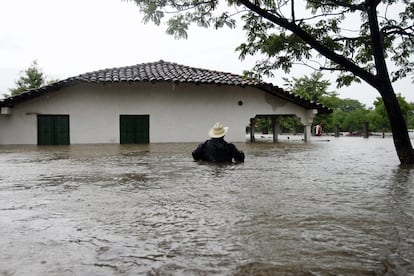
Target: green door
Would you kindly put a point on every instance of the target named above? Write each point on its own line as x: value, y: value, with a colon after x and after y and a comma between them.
x: 134, y: 129
x: 53, y: 129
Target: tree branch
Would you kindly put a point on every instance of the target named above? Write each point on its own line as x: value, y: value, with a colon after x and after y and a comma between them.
x: 332, y: 69
x: 310, y: 40
x: 320, y: 15
x: 377, y: 41
x: 342, y: 4
x: 398, y: 30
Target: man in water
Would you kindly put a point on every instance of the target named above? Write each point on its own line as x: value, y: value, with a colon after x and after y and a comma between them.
x: 217, y: 149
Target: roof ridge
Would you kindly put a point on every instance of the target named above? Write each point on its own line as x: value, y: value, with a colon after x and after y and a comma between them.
x: 162, y: 62
x: 165, y: 70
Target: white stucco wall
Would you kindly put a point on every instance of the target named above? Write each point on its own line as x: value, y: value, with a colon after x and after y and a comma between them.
x: 178, y: 113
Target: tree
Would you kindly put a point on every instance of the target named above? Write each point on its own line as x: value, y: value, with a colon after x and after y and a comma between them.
x: 354, y: 120
x: 410, y: 117
x: 351, y: 114
x: 312, y: 88
x: 289, y: 32
x: 32, y: 78
x: 379, y: 118
x: 348, y: 114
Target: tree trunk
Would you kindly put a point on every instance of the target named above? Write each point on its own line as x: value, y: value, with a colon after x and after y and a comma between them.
x: 398, y: 124
x: 383, y: 84
x: 380, y: 81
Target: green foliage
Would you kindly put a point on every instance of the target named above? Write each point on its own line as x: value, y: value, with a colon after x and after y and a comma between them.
x: 348, y: 114
x: 410, y: 117
x: 275, y: 31
x: 182, y: 13
x: 264, y: 125
x: 312, y: 88
x: 32, y: 78
x: 290, y: 124
x: 379, y: 118
x: 354, y: 120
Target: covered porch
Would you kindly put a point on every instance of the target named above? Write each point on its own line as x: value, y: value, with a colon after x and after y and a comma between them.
x: 275, y: 125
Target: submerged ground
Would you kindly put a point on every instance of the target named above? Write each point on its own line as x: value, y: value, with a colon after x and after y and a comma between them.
x: 337, y: 207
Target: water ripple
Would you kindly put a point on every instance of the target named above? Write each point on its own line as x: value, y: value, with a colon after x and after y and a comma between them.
x: 343, y: 207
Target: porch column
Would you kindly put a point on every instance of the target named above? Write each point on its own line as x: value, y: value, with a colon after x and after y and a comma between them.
x: 275, y: 128
x: 310, y: 115
x: 307, y: 133
x: 252, y: 129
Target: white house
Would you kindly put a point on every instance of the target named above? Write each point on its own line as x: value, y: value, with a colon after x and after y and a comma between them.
x: 145, y: 103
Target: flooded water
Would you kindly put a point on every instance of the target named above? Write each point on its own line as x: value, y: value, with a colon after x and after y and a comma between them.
x: 338, y: 207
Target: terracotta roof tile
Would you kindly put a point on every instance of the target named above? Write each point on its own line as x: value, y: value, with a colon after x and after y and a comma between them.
x: 164, y: 71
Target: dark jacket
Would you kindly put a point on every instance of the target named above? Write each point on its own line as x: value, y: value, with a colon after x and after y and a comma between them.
x: 218, y: 150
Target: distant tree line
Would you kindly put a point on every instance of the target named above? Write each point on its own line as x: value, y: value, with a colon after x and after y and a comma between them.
x: 348, y: 115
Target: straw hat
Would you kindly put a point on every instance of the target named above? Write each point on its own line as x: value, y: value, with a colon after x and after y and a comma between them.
x: 218, y: 130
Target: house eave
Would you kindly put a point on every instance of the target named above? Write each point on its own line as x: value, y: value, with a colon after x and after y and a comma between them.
x: 34, y: 93
x: 283, y: 94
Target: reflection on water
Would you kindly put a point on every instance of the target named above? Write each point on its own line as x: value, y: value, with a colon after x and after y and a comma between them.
x: 343, y: 207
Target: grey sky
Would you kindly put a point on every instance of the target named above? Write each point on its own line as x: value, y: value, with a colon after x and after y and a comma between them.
x: 68, y: 38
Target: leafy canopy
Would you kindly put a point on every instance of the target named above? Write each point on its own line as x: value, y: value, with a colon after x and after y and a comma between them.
x: 32, y: 78
x: 323, y: 34
x: 380, y: 120
x: 312, y: 88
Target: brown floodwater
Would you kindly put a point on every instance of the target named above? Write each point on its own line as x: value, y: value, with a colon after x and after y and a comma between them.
x: 338, y: 207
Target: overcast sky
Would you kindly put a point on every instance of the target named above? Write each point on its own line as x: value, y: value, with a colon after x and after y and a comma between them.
x: 68, y: 38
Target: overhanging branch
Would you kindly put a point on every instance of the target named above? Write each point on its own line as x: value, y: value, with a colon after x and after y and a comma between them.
x: 332, y: 69
x: 342, y: 4
x: 311, y: 41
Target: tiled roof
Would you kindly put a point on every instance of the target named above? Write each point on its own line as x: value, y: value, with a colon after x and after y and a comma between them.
x: 162, y: 71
